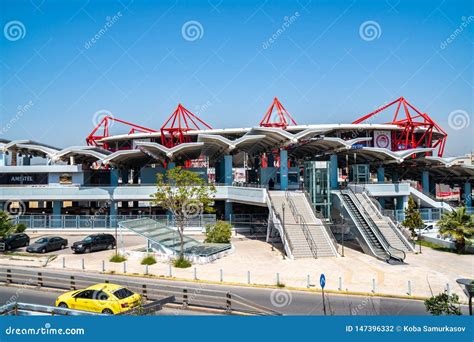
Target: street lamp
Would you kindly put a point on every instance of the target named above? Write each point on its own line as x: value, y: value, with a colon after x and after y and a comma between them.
x: 468, y: 285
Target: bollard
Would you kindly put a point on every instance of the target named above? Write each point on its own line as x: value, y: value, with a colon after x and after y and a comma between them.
x: 195, y: 273
x: 222, y: 275
x: 83, y: 265
x: 228, y: 304
x: 340, y: 283
x: 146, y: 269
x: 9, y: 276
x: 170, y: 271
x: 448, y: 289
x: 103, y: 265
x: 278, y: 278
x: 40, y: 279
x: 373, y: 285
x: 64, y: 262
x: 409, y: 288
x: 248, y: 277
x: 144, y: 292
x: 185, y: 297
x: 73, y: 283
x: 308, y: 281
x: 124, y: 267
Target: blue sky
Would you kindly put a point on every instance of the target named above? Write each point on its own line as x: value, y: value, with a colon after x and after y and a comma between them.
x: 314, y: 55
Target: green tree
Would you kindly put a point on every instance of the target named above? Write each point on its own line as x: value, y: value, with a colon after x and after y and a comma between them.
x: 413, y: 218
x: 443, y: 304
x: 220, y: 232
x: 7, y: 227
x: 459, y: 225
x: 186, y: 195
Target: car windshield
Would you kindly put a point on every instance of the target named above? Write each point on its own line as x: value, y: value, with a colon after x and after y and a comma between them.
x: 42, y: 240
x: 87, y: 239
x: 123, y: 293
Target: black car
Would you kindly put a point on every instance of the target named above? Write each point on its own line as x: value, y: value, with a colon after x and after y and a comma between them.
x: 95, y: 242
x: 47, y: 244
x: 14, y: 241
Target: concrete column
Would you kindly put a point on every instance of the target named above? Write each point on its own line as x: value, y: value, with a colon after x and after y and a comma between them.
x: 114, y: 177
x: 425, y: 181
x: 135, y: 176
x: 228, y: 210
x: 395, y: 177
x: 227, y: 170
x: 56, y: 223
x: 468, y: 194
x: 283, y: 169
x: 380, y: 174
x: 271, y: 159
x: 26, y: 160
x: 333, y: 183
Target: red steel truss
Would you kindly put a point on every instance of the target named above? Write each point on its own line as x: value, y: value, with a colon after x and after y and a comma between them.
x: 418, y: 128
x: 180, y: 122
x: 93, y: 139
x: 284, y: 118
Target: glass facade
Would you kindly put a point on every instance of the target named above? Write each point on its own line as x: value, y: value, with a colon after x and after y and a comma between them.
x: 316, y: 182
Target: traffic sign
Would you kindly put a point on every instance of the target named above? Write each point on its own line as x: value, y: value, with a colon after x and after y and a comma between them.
x: 322, y: 280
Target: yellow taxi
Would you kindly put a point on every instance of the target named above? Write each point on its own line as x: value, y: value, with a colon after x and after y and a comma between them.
x: 103, y: 298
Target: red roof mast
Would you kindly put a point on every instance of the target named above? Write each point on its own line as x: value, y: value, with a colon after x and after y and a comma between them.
x: 413, y: 120
x: 181, y: 122
x: 284, y: 118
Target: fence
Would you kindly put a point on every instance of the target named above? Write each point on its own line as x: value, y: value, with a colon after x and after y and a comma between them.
x: 101, y: 221
x: 427, y: 214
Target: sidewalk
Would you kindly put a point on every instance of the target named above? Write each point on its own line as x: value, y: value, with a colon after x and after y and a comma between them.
x: 358, y: 272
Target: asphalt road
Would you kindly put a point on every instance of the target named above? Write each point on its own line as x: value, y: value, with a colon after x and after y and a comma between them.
x: 281, y: 300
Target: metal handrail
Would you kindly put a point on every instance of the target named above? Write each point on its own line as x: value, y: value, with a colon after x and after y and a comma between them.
x: 322, y: 219
x: 284, y: 233
x: 304, y: 226
x: 385, y: 244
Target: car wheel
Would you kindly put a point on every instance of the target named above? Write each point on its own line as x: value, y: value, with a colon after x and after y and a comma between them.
x: 110, y: 246
x: 107, y: 312
x: 63, y: 305
x: 63, y: 246
x: 43, y: 250
x: 87, y: 250
x: 27, y: 243
x: 9, y: 247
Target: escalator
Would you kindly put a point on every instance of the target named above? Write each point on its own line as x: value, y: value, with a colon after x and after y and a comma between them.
x: 373, y: 242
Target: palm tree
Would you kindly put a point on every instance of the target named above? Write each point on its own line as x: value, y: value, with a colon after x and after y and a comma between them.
x: 459, y: 225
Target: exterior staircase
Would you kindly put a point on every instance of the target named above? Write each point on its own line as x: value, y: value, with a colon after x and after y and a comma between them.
x: 308, y: 236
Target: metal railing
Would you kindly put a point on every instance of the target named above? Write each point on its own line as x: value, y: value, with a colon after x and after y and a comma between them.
x: 187, y: 297
x: 391, y: 251
x: 304, y: 226
x: 101, y: 221
x: 274, y: 214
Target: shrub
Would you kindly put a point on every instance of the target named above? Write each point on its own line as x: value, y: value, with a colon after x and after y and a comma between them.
x: 220, y: 232
x: 182, y: 262
x: 149, y: 260
x: 117, y: 258
x: 443, y: 304
x: 20, y: 228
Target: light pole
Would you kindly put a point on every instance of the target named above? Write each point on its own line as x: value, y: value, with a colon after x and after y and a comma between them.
x: 283, y: 223
x: 342, y: 231
x: 419, y: 237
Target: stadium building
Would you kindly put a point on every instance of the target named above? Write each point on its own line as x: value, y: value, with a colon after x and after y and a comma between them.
x: 306, y: 186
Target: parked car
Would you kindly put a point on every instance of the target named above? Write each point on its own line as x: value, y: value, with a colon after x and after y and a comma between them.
x: 95, y: 242
x: 102, y: 298
x: 14, y: 241
x: 47, y: 244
